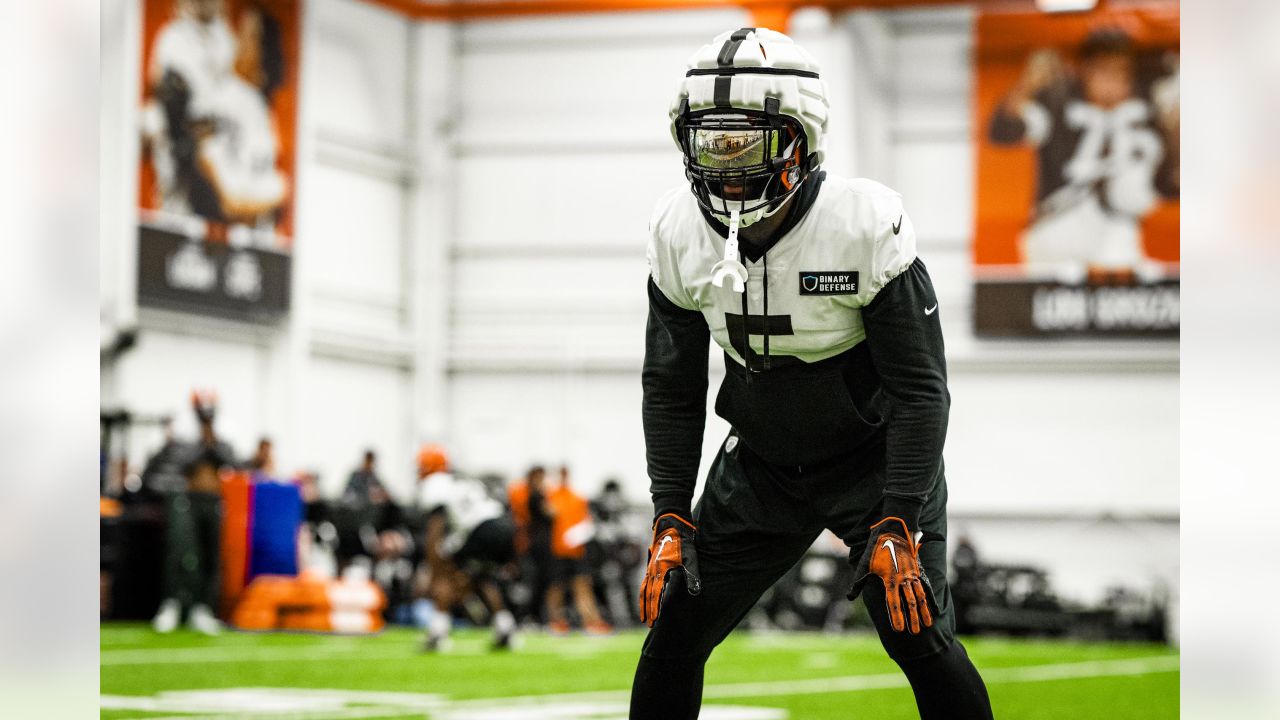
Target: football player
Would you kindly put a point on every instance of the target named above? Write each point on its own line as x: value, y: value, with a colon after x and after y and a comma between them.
x: 835, y: 384
x: 1098, y: 153
x: 469, y: 540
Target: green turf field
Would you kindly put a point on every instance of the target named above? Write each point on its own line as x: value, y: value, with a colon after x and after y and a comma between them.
x: 751, y: 677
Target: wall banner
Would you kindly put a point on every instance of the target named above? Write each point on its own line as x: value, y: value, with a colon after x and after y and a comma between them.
x: 1077, y: 173
x: 216, y: 175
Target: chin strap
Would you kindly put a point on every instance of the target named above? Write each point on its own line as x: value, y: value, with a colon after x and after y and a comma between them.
x: 730, y: 267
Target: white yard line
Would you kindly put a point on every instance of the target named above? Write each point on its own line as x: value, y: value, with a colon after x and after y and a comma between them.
x: 332, y: 704
x: 992, y: 676
x: 853, y: 683
x: 588, y: 647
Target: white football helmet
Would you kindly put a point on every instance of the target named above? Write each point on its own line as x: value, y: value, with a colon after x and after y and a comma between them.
x: 750, y: 117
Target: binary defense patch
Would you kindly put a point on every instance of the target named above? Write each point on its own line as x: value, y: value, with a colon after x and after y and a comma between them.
x: 831, y: 282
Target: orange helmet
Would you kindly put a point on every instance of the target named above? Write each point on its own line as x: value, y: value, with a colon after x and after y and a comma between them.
x: 432, y: 458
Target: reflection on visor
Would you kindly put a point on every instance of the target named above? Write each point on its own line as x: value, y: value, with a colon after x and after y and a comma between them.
x: 733, y: 148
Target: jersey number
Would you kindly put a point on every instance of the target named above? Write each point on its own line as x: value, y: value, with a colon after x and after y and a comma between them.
x: 778, y: 325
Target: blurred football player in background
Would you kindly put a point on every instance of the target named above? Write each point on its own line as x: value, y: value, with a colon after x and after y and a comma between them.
x: 835, y: 385
x: 470, y: 541
x: 571, y: 529
x: 532, y: 513
x: 1100, y: 147
x: 193, y: 537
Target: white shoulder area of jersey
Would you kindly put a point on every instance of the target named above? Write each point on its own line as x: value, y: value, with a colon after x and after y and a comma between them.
x: 435, y: 488
x: 672, y: 210
x: 672, y: 227
x: 872, y: 215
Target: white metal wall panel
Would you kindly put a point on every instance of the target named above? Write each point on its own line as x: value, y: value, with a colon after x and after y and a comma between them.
x: 157, y: 378
x: 358, y: 242
x: 505, y: 422
x: 360, y: 52
x: 354, y: 406
x: 529, y: 198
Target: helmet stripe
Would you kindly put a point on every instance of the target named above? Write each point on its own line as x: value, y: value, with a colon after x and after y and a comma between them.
x: 752, y: 71
x: 730, y: 47
x: 721, y: 92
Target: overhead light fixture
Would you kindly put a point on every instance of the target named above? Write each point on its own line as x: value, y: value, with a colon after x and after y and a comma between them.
x: 1056, y: 6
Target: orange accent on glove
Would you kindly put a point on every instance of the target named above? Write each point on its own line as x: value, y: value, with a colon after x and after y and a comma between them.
x: 894, y: 557
x: 672, y: 549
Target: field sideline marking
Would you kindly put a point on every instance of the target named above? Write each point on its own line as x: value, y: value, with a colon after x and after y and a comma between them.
x: 1148, y: 665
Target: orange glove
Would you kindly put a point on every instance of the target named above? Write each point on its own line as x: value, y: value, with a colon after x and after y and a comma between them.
x: 672, y: 550
x: 893, y: 556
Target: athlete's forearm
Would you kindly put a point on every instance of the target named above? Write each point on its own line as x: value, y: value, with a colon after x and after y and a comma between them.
x: 675, y: 401
x: 905, y: 341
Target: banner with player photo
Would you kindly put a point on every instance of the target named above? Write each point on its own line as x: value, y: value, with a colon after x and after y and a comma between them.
x: 216, y: 172
x: 1077, y: 172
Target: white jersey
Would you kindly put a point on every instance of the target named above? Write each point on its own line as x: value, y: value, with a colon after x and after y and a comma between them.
x: 852, y: 241
x: 466, y: 505
x: 202, y: 53
x: 243, y: 150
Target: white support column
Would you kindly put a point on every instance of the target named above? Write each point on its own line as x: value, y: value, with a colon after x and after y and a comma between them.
x: 432, y: 114
x: 873, y: 96
x: 121, y: 54
x: 288, y: 358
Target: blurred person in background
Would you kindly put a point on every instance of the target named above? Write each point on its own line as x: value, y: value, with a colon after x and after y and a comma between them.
x: 835, y: 385
x: 370, y: 524
x: 363, y: 484
x: 470, y: 541
x: 570, y: 531
x: 192, y: 576
x: 164, y: 473
x: 620, y: 555
x: 1100, y: 149
x: 533, y: 516
x: 317, y: 537
x: 263, y: 459
x: 383, y: 532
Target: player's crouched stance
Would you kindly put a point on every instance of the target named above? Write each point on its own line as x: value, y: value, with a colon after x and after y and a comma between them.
x: 835, y: 385
x: 469, y: 540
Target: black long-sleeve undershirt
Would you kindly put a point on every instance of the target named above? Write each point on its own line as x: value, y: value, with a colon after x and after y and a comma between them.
x: 904, y: 336
x: 675, y: 400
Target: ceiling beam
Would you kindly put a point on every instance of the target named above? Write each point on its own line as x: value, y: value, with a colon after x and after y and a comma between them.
x: 771, y: 10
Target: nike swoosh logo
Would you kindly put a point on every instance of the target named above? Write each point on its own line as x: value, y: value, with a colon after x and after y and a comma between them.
x: 929, y: 311
x: 898, y: 225
x: 892, y: 553
x: 663, y: 546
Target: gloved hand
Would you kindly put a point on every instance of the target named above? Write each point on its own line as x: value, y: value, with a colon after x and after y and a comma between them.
x: 672, y: 551
x: 893, y: 555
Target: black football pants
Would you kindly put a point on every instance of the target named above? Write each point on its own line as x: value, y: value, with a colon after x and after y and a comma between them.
x: 192, y: 555
x: 755, y: 520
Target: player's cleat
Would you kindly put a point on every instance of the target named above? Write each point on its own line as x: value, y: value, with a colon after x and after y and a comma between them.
x: 558, y: 627
x: 505, y: 642
x: 437, y: 644
x: 599, y: 627
x: 203, y: 621
x: 166, y: 620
